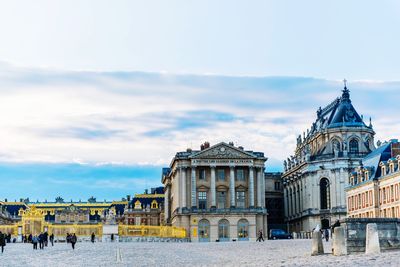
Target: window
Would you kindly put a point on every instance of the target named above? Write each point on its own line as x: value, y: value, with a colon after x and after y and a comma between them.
x: 353, y: 146
x: 243, y: 229
x: 324, y: 190
x: 223, y: 230
x: 240, y: 199
x: 202, y: 174
x: 204, y: 230
x: 240, y: 175
x: 221, y: 174
x: 277, y: 186
x: 221, y: 196
x: 202, y: 200
x: 335, y: 146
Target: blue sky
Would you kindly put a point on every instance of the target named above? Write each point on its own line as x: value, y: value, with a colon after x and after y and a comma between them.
x: 95, y: 98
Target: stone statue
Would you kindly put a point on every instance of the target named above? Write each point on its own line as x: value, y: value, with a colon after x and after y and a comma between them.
x: 285, y: 165
x: 110, y: 217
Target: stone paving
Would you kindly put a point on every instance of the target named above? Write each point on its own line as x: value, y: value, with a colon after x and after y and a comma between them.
x: 269, y: 253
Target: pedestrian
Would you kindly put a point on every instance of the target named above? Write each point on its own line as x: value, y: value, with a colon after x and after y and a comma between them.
x: 46, y: 238
x: 35, y: 240
x: 52, y: 239
x: 73, y: 240
x: 92, y: 237
x: 112, y: 237
x: 326, y: 233
x: 30, y: 238
x: 41, y: 240
x: 260, y: 236
x: 2, y: 241
x: 9, y: 238
x: 68, y: 238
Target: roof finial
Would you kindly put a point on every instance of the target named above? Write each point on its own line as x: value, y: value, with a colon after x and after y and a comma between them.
x: 346, y: 92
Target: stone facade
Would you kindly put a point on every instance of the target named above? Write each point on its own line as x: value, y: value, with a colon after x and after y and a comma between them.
x: 315, y: 177
x: 373, y: 189
x: 216, y: 193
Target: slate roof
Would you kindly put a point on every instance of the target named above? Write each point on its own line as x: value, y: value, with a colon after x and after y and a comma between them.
x: 339, y: 113
x: 372, y: 160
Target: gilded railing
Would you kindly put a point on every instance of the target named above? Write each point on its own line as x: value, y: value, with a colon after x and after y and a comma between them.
x: 9, y: 229
x: 151, y: 231
x: 78, y: 229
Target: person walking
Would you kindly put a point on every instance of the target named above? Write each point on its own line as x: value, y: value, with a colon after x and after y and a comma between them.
x: 2, y: 241
x: 41, y: 241
x: 52, y: 239
x: 260, y: 236
x: 326, y: 233
x: 92, y: 238
x: 46, y: 238
x: 35, y: 240
x: 73, y: 240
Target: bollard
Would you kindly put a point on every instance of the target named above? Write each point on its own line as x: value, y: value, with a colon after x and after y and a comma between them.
x: 339, y: 242
x: 372, y: 239
x: 317, y: 246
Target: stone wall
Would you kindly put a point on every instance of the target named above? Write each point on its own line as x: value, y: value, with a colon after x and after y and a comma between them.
x: 388, y: 230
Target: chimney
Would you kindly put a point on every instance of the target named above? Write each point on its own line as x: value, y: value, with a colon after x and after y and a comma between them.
x: 128, y: 197
x: 231, y: 144
x: 241, y: 148
x: 395, y: 147
x: 189, y: 150
x: 202, y: 147
x: 206, y: 145
x: 146, y: 191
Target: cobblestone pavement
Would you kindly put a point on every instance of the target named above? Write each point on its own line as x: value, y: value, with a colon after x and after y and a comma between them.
x: 269, y: 253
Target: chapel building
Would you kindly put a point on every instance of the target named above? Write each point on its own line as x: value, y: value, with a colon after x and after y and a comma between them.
x: 315, y: 177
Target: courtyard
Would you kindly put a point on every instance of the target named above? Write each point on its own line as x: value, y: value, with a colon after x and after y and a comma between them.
x: 268, y: 253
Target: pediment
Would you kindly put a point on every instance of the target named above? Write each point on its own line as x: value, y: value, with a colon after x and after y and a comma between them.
x: 223, y: 151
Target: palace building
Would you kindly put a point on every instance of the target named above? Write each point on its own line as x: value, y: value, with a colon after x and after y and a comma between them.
x: 373, y: 188
x: 146, y: 209
x: 216, y: 193
x: 315, y: 177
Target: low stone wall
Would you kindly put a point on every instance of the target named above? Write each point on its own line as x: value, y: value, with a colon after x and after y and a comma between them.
x: 355, y: 233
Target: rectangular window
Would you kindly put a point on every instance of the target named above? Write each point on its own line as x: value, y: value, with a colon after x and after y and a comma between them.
x: 240, y: 175
x: 202, y: 174
x: 202, y: 200
x: 240, y: 199
x: 221, y: 196
x: 277, y: 186
x: 221, y: 175
x: 391, y: 193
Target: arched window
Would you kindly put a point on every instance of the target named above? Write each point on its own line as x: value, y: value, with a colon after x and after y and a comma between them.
x: 335, y: 146
x: 243, y: 229
x: 353, y: 146
x: 204, y: 230
x: 223, y: 230
x: 325, y: 196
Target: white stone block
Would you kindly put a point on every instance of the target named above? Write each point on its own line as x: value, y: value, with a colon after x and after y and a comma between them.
x: 339, y: 242
x: 372, y: 239
x: 317, y: 246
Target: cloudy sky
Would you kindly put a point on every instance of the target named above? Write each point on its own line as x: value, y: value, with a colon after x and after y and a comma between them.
x: 95, y: 98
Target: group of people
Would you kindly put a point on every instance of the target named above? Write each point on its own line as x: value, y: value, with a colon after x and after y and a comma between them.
x: 71, y: 238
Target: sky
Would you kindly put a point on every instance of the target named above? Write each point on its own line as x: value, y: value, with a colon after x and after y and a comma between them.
x: 96, y: 97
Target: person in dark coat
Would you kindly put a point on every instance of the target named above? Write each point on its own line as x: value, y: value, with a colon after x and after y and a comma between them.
x: 46, y: 238
x: 112, y: 237
x: 68, y: 238
x: 260, y: 236
x: 35, y: 240
x: 73, y: 240
x: 52, y: 239
x: 9, y: 238
x: 326, y: 234
x: 2, y: 241
x: 30, y: 238
x: 92, y: 238
x: 41, y: 241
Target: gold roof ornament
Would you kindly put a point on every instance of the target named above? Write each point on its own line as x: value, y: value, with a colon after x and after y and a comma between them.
x: 138, y: 205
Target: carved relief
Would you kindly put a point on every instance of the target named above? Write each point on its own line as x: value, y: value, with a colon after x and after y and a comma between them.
x: 222, y: 152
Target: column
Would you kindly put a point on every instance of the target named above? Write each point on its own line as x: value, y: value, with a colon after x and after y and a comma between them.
x: 251, y: 186
x: 259, y: 189
x: 285, y: 201
x: 183, y: 185
x: 193, y: 183
x: 166, y: 204
x: 262, y: 188
x: 232, y: 185
x: 213, y: 190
